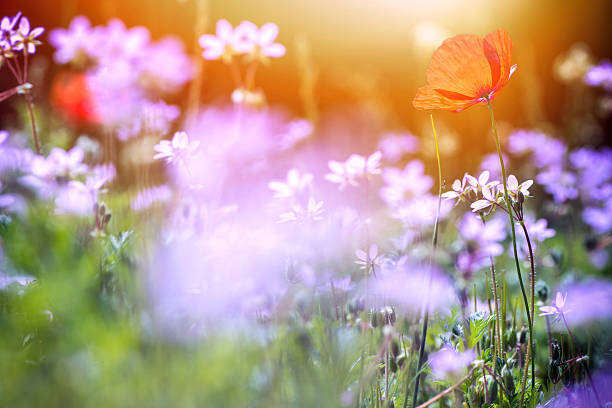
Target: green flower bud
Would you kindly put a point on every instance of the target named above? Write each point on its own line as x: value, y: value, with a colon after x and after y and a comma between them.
x: 541, y: 289
x: 508, y: 379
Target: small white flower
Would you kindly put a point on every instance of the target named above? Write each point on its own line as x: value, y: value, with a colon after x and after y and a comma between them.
x: 295, y: 184
x: 175, y: 150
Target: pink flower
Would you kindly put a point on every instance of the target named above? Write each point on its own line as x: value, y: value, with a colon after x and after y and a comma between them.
x: 225, y: 44
x: 259, y: 42
x: 24, y: 39
x: 295, y: 185
x: 175, y: 150
x: 354, y: 168
x: 514, y: 187
x: 488, y: 200
x: 448, y: 362
x: 557, y: 308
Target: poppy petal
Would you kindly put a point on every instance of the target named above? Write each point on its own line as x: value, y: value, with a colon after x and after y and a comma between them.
x: 459, y: 65
x: 501, y: 43
x: 428, y: 97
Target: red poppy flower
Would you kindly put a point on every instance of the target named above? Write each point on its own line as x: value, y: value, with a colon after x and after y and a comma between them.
x: 467, y: 70
x: 70, y: 94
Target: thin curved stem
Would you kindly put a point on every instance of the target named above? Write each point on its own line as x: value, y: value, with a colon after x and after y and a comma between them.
x: 532, y: 265
x: 498, y: 345
x: 434, y: 243
x: 448, y: 390
x: 28, y: 99
x: 514, y: 247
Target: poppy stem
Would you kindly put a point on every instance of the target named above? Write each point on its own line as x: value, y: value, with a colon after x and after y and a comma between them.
x: 514, y: 247
x: 434, y: 243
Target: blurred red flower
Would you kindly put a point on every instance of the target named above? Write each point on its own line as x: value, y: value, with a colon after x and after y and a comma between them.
x: 467, y: 70
x: 70, y: 94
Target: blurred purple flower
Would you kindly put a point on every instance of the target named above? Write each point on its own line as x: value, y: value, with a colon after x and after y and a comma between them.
x: 353, y: 169
x: 74, y: 198
x: 175, y: 150
x: 395, y: 145
x: 490, y: 162
x: 600, y: 75
x: 405, y: 285
x: 545, y: 150
x: 75, y: 44
x: 559, y: 183
x: 585, y: 301
x: 259, y: 42
x: 579, y: 396
x: 370, y: 261
x: 600, y: 219
x: 420, y: 212
x: 448, y: 362
x: 313, y: 211
x: 224, y: 44
x: 403, y: 184
x: 557, y: 308
x: 164, y: 66
x: 294, y: 187
x: 146, y: 198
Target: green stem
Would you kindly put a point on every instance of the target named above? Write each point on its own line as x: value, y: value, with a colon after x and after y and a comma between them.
x: 434, y: 243
x: 514, y: 247
x: 532, y: 265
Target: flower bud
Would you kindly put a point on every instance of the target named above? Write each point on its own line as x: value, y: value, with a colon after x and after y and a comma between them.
x: 395, y: 349
x: 508, y: 379
x: 522, y: 335
x: 511, y: 338
x: 541, y: 289
x: 491, y: 389
x: 555, y: 351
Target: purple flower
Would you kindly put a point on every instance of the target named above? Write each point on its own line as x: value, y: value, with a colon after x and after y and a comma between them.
x: 295, y: 131
x: 401, y: 185
x: 165, y: 67
x: 369, y: 261
x: 76, y: 43
x: 313, y: 211
x: 295, y: 185
x: 226, y: 43
x: 600, y: 219
x: 538, y: 230
x: 24, y: 38
x: 559, y: 183
x: 490, y: 162
x: 395, y: 145
x: 405, y: 285
x: 420, y: 212
x: 545, y: 150
x: 460, y: 188
x: 354, y: 168
x: 585, y: 301
x: 489, y: 199
x: 259, y: 42
x: 448, y: 362
x: 74, y: 198
x: 7, y: 30
x: 146, y: 198
x: 557, y: 309
x: 581, y: 396
x: 514, y: 187
x: 174, y: 151
x: 600, y: 75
